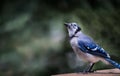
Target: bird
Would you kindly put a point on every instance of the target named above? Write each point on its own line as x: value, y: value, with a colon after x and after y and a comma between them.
x: 86, y: 48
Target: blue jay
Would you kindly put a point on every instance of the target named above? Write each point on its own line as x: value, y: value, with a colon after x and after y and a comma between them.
x: 86, y: 48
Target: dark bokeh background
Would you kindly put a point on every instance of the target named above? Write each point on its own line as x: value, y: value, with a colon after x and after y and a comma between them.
x: 34, y: 41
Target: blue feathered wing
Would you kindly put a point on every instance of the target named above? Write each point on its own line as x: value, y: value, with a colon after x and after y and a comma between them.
x: 92, y: 48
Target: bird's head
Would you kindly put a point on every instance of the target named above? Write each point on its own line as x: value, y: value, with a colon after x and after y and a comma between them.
x: 73, y: 28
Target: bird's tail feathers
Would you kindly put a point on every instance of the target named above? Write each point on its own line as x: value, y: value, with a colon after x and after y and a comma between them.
x: 115, y: 64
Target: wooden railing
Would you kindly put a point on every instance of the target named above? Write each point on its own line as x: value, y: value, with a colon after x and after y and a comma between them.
x: 108, y: 72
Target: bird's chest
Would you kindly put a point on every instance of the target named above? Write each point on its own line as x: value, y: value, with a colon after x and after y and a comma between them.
x: 86, y: 56
x: 74, y: 44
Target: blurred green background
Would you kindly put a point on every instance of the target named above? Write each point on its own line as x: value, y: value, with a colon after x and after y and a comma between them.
x: 34, y: 41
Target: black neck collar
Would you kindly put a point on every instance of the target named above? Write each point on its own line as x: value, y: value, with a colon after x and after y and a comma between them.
x: 72, y: 37
x: 75, y: 33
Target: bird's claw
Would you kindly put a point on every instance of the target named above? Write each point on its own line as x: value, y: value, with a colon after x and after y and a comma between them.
x: 84, y: 72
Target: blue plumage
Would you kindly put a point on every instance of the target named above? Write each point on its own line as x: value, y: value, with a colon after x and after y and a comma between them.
x: 86, y: 48
x: 87, y: 45
x: 92, y: 48
x: 115, y: 64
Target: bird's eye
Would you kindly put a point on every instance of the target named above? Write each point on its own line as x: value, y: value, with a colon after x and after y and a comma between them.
x: 74, y: 26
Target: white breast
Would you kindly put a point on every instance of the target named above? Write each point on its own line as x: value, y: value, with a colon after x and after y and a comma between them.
x: 85, y: 56
x: 74, y: 42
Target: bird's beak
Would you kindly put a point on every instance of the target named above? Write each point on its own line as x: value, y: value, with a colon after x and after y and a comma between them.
x: 66, y: 24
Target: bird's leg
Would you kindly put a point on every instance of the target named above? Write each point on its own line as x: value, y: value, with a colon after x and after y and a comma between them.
x: 89, y: 68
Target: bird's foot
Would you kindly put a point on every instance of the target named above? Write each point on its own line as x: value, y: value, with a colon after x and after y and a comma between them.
x: 84, y: 72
